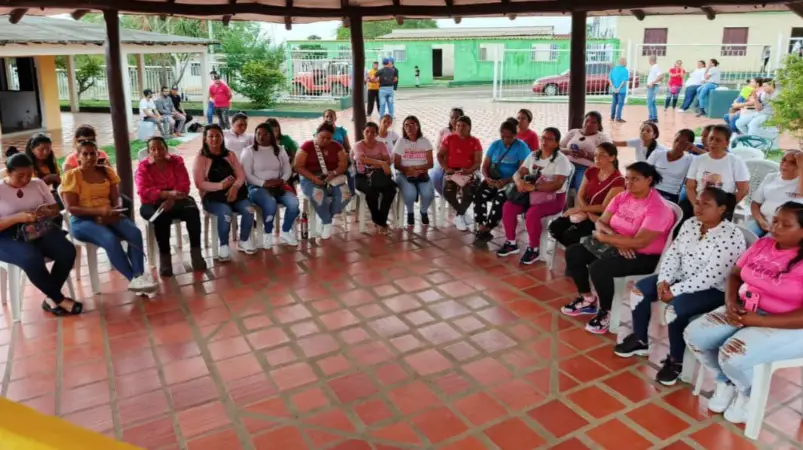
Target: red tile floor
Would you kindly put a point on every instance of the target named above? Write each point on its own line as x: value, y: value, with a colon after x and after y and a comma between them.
x: 412, y: 341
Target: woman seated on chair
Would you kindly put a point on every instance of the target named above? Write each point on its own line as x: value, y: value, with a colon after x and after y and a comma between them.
x: 39, y: 149
x: 717, y: 168
x: 268, y: 169
x: 460, y: 155
x: 646, y: 143
x: 580, y: 144
x: 752, y: 124
x: 325, y: 185
x: 673, y: 165
x: 220, y: 180
x: 25, y: 201
x: 386, y: 135
x: 539, y: 188
x: 90, y: 194
x: 776, y: 189
x: 762, y: 319
x: 524, y: 118
x: 374, y: 177
x: 601, y: 183
x: 413, y: 159
x: 628, y: 240
x: 502, y: 160
x: 237, y: 138
x: 290, y: 146
x: 691, y: 279
x: 163, y: 184
x: 437, y: 173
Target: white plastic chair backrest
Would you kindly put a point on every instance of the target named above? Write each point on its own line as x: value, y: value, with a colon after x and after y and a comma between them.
x: 670, y: 238
x: 750, y: 238
x: 759, y: 169
x: 748, y: 153
x: 142, y: 154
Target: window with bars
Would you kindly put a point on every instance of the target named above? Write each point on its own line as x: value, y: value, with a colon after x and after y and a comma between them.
x: 397, y: 52
x: 657, y: 37
x: 734, y: 41
x: 544, y: 52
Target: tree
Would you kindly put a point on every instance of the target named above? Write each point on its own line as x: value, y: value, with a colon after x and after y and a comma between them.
x: 788, y: 104
x: 375, y: 28
x: 251, y: 63
x: 88, y: 69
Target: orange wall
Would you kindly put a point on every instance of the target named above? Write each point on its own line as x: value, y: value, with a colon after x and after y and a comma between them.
x: 48, y: 92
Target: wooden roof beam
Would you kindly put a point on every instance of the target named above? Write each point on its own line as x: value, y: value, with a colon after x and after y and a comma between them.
x: 288, y: 21
x: 226, y: 19
x: 79, y: 14
x: 710, y: 14
x: 638, y: 14
x: 796, y: 7
x: 17, y: 15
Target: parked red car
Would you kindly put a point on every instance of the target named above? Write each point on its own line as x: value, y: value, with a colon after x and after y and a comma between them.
x: 333, y: 80
x: 596, y: 81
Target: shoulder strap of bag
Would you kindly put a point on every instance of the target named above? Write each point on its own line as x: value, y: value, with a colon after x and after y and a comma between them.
x: 499, y: 161
x: 321, y: 161
x: 604, y: 189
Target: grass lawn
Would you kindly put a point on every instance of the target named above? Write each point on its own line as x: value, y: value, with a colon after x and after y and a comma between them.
x: 136, y: 146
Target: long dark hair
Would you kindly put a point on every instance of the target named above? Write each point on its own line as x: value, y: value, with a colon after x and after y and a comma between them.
x: 271, y: 137
x: 417, y: 122
x: 224, y: 152
x: 797, y: 210
x: 611, y: 150
x: 460, y: 113
x: 646, y: 170
x: 722, y: 198
x: 556, y: 133
x: 275, y: 125
x: 50, y: 162
x: 656, y: 133
x: 18, y: 161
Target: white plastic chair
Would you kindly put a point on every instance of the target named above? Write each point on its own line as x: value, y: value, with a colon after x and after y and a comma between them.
x: 762, y: 378
x: 259, y: 229
x: 748, y: 153
x: 759, y: 169
x: 211, y: 231
x: 314, y: 224
x: 362, y: 209
x: 91, y: 256
x: 620, y: 283
x: 548, y: 245
x: 14, y: 277
x: 150, y: 232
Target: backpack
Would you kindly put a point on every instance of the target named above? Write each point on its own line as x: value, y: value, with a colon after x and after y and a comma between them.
x: 385, y: 76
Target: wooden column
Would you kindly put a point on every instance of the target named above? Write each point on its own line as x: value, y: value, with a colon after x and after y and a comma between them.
x: 205, y: 82
x: 72, y: 84
x: 141, y: 74
x: 114, y: 80
x: 358, y: 76
x: 577, y: 70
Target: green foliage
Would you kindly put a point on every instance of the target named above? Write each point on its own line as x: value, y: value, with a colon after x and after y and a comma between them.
x: 260, y: 83
x: 788, y: 105
x: 375, y: 28
x: 88, y: 69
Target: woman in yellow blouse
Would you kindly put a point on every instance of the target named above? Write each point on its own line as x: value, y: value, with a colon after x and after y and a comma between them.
x: 90, y: 193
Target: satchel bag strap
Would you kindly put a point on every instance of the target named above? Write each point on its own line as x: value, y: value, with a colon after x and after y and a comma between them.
x: 603, y: 189
x: 321, y: 161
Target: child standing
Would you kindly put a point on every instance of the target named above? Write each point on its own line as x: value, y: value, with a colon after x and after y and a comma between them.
x: 417, y: 77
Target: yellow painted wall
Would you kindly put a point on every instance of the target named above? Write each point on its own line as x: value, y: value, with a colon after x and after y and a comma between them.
x: 48, y: 92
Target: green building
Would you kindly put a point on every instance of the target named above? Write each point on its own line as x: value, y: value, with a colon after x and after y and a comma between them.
x: 460, y: 56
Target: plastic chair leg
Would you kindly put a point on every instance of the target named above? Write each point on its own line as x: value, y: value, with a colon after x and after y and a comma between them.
x: 207, y: 223
x: 618, y: 295
x: 3, y: 285
x: 15, y: 291
x: 151, y: 243
x: 215, y: 241
x: 77, y: 265
x: 698, y: 385
x: 92, y: 262
x: 362, y: 206
x: 177, y: 230
x: 689, y: 364
x: 70, y: 288
x: 762, y: 377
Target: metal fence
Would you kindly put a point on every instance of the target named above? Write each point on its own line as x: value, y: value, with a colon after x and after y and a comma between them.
x: 322, y: 73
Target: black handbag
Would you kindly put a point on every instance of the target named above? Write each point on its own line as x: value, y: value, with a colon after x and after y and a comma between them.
x: 378, y: 179
x: 514, y: 196
x: 423, y: 178
x: 598, y: 249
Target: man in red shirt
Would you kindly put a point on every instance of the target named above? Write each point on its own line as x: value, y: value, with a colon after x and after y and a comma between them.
x: 220, y: 95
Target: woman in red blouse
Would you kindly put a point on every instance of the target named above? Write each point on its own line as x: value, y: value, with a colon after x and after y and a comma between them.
x: 460, y: 155
x: 163, y: 183
x: 676, y: 76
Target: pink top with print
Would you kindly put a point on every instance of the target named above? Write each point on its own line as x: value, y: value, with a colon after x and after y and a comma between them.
x: 764, y: 272
x: 631, y: 214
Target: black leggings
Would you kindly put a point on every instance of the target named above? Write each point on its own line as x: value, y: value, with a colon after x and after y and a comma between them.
x: 484, y: 195
x: 459, y: 197
x: 568, y: 233
x: 379, y: 201
x: 581, y: 264
x: 373, y: 99
x: 185, y: 211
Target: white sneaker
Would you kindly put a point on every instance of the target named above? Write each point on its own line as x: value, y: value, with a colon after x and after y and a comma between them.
x: 326, y: 232
x: 460, y: 223
x: 737, y: 411
x: 142, y: 283
x: 223, y: 253
x: 267, y: 241
x: 722, y: 398
x: 288, y: 238
x: 247, y: 247
x: 469, y: 217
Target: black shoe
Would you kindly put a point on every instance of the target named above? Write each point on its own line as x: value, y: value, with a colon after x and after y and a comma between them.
x: 631, y: 346
x: 670, y: 372
x: 424, y: 219
x: 482, y: 238
x: 507, y: 249
x: 701, y: 113
x: 530, y: 256
x: 410, y: 219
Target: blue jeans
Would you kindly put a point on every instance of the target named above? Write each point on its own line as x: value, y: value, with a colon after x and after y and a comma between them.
x: 110, y: 238
x: 702, y: 95
x: 752, y: 225
x: 617, y: 105
x: 224, y: 213
x: 269, y: 205
x: 30, y: 257
x: 730, y: 120
x: 386, y: 97
x: 579, y: 173
x: 679, y: 312
x: 210, y: 111
x: 436, y: 175
x: 652, y: 110
x: 688, y: 97
x: 327, y: 202
x: 410, y: 191
x: 732, y: 353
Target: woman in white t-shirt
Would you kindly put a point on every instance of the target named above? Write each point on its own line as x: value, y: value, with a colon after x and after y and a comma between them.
x: 776, y: 189
x: 236, y: 138
x: 711, y: 82
x: 386, y: 134
x: 673, y: 165
x: 413, y: 157
x: 580, y: 144
x: 751, y: 124
x: 544, y: 174
x: 646, y: 143
x: 717, y: 168
x: 693, y: 83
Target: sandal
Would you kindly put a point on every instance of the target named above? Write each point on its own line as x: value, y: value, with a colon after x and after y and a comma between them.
x: 77, y: 307
x: 57, y: 311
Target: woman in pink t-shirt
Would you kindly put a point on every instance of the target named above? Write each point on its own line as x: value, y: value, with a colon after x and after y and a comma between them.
x: 629, y: 239
x: 373, y: 177
x: 762, y: 320
x: 676, y: 75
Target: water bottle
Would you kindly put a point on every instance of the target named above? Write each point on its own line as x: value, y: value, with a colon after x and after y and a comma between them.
x: 304, y: 226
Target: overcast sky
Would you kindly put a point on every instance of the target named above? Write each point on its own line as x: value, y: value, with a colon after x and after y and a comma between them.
x: 327, y: 30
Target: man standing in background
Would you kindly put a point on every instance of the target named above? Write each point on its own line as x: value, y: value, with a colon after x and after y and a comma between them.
x: 373, y: 89
x: 417, y: 77
x: 654, y: 78
x: 220, y: 93
x: 617, y: 82
x: 387, y: 79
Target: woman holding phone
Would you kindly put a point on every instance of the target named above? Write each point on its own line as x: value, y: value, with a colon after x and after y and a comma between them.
x: 90, y: 193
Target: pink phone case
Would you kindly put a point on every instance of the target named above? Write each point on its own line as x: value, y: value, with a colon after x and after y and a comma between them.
x: 749, y: 298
